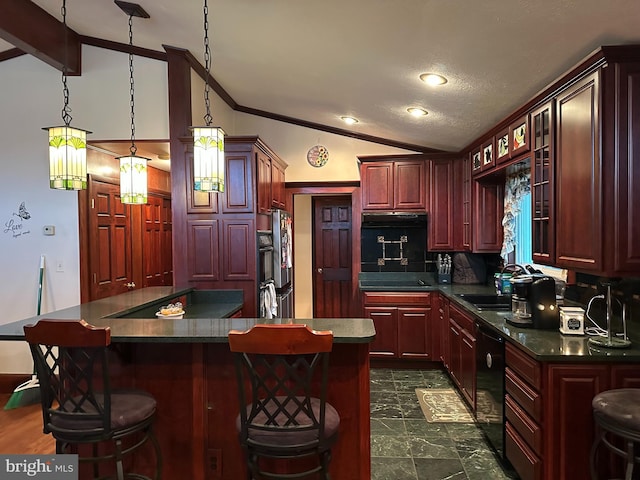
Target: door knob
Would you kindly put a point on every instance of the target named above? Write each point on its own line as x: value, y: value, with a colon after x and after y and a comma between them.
x: 319, y: 270
x: 130, y: 285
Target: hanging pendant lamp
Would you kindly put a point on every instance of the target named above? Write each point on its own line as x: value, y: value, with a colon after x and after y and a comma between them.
x: 133, y: 168
x: 67, y: 145
x: 208, y: 141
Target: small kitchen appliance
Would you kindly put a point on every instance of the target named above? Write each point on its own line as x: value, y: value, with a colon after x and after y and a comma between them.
x: 533, y: 302
x: 520, y: 311
x: 571, y: 320
x: 542, y: 302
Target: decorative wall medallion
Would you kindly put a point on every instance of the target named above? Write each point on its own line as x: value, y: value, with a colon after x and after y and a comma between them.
x: 318, y: 156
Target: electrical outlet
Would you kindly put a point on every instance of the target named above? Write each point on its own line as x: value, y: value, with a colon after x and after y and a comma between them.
x: 59, y: 266
x: 215, y: 461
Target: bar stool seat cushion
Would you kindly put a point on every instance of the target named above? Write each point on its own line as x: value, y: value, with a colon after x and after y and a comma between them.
x: 619, y: 407
x: 295, y: 437
x: 128, y: 408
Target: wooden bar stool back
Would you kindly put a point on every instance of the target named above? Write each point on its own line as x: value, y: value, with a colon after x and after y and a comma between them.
x: 78, y: 405
x: 284, y: 414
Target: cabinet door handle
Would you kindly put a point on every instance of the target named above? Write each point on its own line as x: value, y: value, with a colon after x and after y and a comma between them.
x: 130, y: 285
x: 320, y: 270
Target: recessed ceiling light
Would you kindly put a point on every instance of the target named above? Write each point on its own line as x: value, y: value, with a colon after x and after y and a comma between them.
x: 417, y: 111
x: 349, y: 120
x: 433, y: 79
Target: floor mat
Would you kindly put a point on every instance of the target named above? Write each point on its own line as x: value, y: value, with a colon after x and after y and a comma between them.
x: 443, y: 405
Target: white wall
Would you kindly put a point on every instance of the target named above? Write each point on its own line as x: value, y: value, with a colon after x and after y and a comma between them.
x: 31, y: 98
x: 292, y: 142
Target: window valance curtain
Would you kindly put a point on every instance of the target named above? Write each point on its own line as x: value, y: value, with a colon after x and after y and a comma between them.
x: 517, y: 184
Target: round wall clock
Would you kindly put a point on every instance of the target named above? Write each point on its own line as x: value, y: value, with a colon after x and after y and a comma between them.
x: 318, y: 156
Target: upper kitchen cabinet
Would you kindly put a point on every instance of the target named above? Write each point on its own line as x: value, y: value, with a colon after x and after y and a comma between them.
x: 578, y: 176
x: 594, y: 179
x: 393, y: 183
x: 487, y: 219
x: 542, y: 163
x: 446, y: 204
x: 254, y: 177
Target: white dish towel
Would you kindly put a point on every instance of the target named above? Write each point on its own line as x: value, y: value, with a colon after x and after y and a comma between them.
x: 268, y: 301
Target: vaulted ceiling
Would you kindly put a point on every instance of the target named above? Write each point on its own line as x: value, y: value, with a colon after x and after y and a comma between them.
x: 317, y: 61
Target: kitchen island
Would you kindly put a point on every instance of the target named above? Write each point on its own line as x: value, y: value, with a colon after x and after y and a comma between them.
x: 186, y: 364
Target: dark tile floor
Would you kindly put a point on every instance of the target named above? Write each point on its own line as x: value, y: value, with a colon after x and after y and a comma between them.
x: 404, y: 446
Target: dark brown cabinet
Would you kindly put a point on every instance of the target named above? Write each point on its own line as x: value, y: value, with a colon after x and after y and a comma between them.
x: 578, y: 186
x: 542, y: 183
x: 217, y: 232
x: 585, y: 167
x: 549, y: 417
x: 385, y: 321
x: 398, y: 184
x: 467, y: 210
x: 446, y: 205
x: 402, y: 322
x: 487, y: 218
x: 462, y: 353
x: 440, y: 330
x: 253, y: 174
x: 414, y: 335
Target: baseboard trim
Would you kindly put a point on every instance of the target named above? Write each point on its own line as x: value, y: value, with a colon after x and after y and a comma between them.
x: 9, y: 381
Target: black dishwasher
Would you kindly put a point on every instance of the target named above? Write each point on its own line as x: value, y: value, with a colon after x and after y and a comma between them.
x: 490, y: 386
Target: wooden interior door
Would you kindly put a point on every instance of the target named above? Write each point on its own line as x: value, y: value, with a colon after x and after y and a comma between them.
x: 332, y: 234
x: 110, y: 265
x: 156, y: 242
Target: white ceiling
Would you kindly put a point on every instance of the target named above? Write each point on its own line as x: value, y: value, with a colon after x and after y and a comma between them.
x: 318, y: 60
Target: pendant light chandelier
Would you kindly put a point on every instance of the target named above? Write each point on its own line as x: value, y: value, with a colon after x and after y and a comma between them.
x: 208, y: 141
x: 67, y: 145
x: 133, y: 169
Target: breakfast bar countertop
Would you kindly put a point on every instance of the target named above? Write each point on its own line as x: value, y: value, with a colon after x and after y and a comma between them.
x: 131, y: 318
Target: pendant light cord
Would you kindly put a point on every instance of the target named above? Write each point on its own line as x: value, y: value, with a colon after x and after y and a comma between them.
x: 66, y: 109
x: 208, y: 119
x: 133, y: 149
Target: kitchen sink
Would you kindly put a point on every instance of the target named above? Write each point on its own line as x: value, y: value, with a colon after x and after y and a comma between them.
x: 487, y: 302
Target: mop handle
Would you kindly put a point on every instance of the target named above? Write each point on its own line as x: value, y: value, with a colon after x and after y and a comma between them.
x: 40, y: 283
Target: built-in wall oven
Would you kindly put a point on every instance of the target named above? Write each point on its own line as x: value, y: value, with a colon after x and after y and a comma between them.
x: 490, y: 386
x: 267, y: 304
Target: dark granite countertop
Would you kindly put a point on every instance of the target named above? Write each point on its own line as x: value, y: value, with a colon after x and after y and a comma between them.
x: 131, y: 317
x: 543, y: 345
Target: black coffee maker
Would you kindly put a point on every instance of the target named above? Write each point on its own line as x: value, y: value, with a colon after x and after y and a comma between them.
x: 542, y: 303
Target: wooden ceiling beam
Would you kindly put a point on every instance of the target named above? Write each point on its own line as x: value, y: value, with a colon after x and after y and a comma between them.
x: 31, y: 29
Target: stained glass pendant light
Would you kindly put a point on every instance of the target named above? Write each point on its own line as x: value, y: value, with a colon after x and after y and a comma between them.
x: 208, y: 141
x: 67, y: 145
x: 133, y: 168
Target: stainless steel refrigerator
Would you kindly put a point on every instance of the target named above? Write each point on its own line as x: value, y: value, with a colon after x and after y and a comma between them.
x: 283, y: 261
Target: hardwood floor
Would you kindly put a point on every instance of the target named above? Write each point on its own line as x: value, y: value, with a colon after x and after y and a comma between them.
x: 21, y: 430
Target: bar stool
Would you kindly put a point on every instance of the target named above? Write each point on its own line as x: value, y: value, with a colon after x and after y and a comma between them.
x: 78, y: 405
x: 280, y: 418
x: 617, y: 414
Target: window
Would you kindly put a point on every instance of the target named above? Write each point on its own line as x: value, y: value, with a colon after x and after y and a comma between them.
x: 522, y: 239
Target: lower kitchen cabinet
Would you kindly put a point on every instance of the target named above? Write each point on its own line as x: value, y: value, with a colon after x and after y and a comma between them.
x: 403, y: 324
x: 385, y: 320
x: 549, y: 420
x: 462, y: 353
